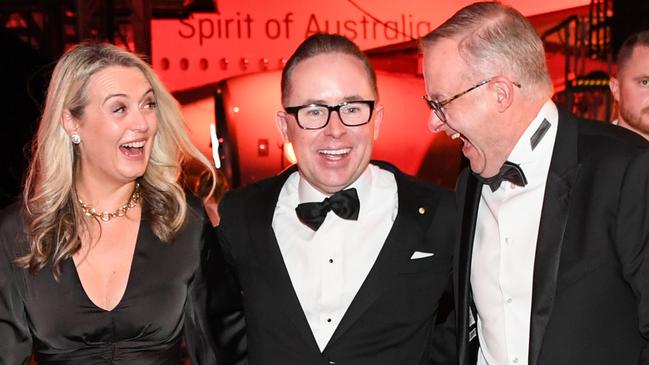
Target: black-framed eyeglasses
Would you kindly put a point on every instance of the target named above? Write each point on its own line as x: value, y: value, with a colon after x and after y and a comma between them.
x: 438, y: 106
x: 316, y: 116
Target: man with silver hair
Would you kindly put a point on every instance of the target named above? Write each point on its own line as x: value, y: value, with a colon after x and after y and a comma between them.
x: 553, y: 256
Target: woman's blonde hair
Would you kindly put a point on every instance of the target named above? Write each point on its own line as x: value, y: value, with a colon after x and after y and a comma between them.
x: 52, y: 214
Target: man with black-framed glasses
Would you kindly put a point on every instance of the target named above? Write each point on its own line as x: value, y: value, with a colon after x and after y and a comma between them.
x: 552, y: 263
x: 340, y: 260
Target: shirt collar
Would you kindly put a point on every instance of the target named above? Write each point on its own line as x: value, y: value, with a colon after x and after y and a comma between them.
x: 307, y: 193
x: 522, y: 153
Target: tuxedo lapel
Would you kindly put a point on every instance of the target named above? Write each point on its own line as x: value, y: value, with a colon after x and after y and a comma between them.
x: 264, y: 244
x: 564, y: 169
x: 406, y: 228
x: 462, y: 278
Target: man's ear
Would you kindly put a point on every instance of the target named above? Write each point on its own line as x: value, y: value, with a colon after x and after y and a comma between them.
x: 378, y: 118
x: 614, y: 85
x: 503, y: 91
x: 70, y: 123
x: 281, y: 120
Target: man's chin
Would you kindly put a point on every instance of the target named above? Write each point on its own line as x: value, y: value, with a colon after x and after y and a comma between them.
x: 639, y: 124
x: 478, y: 170
x: 643, y: 126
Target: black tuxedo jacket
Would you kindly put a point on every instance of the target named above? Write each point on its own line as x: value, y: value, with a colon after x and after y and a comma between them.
x: 590, y: 294
x: 395, y: 318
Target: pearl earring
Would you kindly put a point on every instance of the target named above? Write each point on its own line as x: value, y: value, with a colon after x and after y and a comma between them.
x: 76, y: 139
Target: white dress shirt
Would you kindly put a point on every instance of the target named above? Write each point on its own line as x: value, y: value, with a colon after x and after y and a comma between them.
x: 327, y: 267
x: 504, y: 249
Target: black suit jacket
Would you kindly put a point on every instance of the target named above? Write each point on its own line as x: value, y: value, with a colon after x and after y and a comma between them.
x: 590, y: 294
x: 393, y: 318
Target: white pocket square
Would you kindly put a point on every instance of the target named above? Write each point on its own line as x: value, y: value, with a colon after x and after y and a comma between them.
x: 421, y: 255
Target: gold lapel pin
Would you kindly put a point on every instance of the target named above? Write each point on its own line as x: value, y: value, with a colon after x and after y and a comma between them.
x: 422, y: 210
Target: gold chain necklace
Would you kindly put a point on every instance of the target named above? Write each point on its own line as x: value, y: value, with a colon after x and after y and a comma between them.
x: 120, y: 212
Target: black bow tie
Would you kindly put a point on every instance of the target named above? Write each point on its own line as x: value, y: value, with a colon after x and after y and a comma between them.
x: 510, y: 172
x: 344, y: 203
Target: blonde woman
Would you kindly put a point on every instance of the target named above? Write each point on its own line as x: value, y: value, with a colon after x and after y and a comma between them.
x: 100, y: 263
